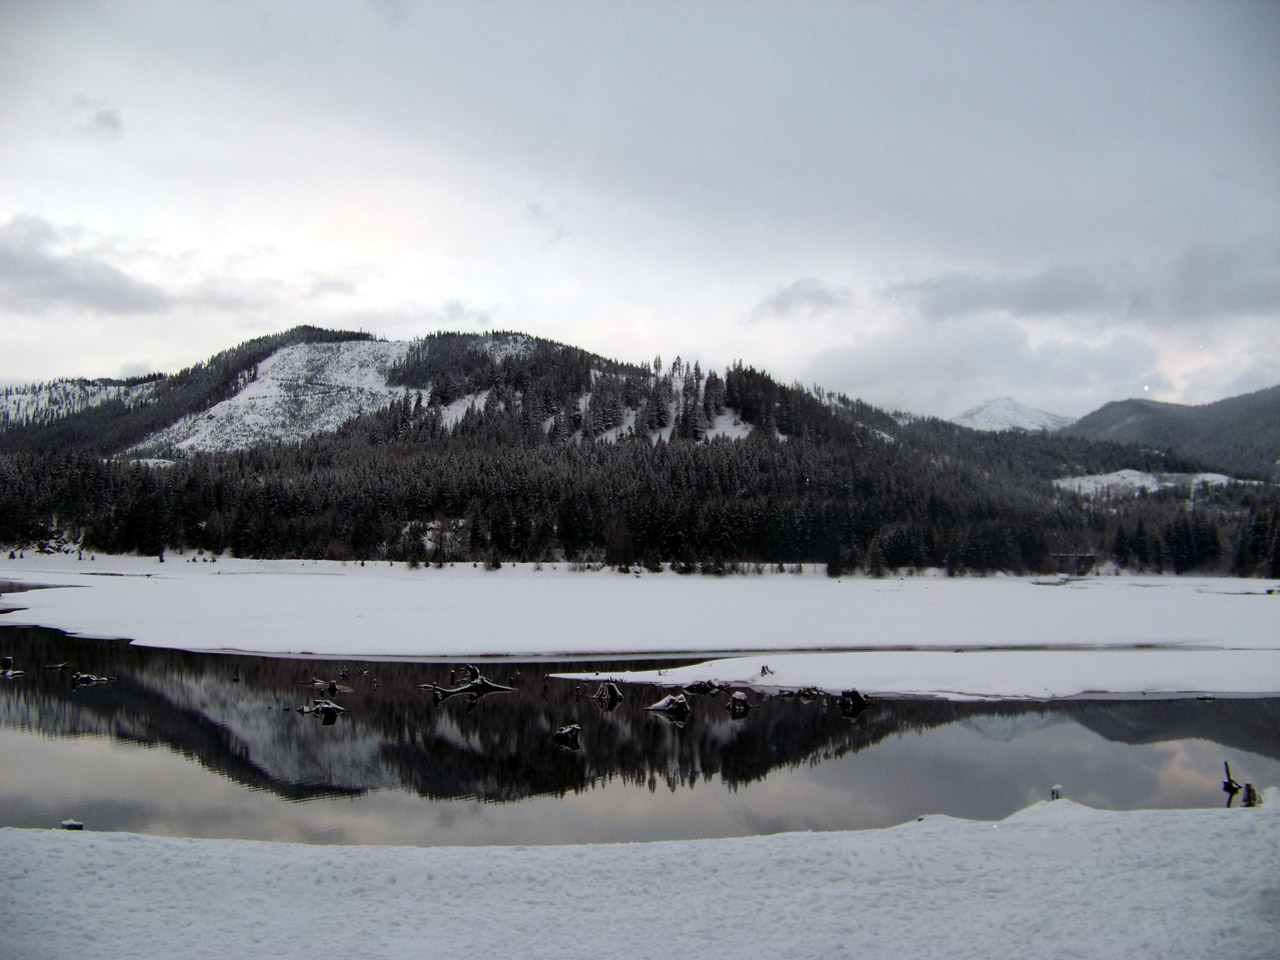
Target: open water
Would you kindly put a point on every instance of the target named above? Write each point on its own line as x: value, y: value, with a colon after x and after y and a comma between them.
x: 213, y: 745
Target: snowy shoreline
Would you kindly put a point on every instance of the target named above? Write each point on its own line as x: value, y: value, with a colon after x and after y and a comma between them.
x: 993, y: 637
x: 1055, y: 876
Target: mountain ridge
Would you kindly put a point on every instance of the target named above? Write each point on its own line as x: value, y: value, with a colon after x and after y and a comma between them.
x: 1005, y: 413
x: 1240, y: 433
x: 501, y: 447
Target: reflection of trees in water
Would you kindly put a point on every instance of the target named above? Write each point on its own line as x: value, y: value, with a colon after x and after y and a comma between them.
x: 1250, y: 725
x: 500, y: 747
x: 50, y: 702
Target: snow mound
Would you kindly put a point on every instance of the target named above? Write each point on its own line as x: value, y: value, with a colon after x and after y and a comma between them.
x: 1006, y: 413
x: 299, y: 391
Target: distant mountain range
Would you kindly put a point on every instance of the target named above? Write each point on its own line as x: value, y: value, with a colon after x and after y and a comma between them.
x: 502, y: 446
x: 1240, y: 434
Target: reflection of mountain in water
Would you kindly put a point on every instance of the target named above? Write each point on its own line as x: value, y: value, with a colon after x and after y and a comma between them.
x: 237, y: 715
x: 1005, y: 729
x: 1252, y: 725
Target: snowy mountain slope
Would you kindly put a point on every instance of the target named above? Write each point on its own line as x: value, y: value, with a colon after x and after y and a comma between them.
x: 299, y: 391
x: 1239, y: 433
x: 310, y: 388
x: 1005, y: 413
x: 45, y: 402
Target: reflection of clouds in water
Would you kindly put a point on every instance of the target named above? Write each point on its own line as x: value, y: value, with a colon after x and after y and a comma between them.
x: 951, y: 770
x: 954, y: 770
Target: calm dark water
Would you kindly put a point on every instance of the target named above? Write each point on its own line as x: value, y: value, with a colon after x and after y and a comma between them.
x: 212, y: 745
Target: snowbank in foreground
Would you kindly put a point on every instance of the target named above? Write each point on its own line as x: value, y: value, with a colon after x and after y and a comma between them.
x: 1057, y: 879
x: 340, y: 610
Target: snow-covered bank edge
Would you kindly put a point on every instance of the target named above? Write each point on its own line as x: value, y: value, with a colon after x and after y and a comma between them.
x: 999, y: 637
x: 1056, y: 876
x: 985, y: 675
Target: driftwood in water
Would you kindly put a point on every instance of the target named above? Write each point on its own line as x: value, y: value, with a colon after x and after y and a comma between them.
x: 476, y: 686
x: 852, y: 704
x: 331, y: 687
x: 84, y: 679
x: 701, y: 688
x: 326, y: 710
x: 738, y: 705
x: 607, y: 695
x: 673, y: 706
x: 567, y: 737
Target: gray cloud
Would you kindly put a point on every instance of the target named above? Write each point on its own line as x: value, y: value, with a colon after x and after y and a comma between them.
x: 44, y: 266
x: 234, y: 294
x: 94, y: 119
x: 1203, y: 283
x: 37, y: 271
x: 455, y: 314
x: 414, y: 319
x: 1055, y: 291
x: 548, y: 222
x: 135, y: 368
x: 1211, y: 281
x: 944, y: 369
x: 324, y: 285
x: 806, y: 297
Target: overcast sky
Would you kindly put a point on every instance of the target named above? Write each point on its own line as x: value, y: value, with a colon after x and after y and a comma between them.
x: 921, y: 204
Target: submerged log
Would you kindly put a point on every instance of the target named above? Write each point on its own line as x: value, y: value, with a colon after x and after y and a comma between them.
x: 83, y: 679
x: 852, y: 704
x: 476, y: 686
x: 567, y: 737
x: 703, y: 687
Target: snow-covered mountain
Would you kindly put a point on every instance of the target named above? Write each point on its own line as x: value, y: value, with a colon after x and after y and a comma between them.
x: 1006, y: 413
x: 297, y: 387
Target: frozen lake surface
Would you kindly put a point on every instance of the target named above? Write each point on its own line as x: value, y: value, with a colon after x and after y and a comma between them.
x: 469, y: 829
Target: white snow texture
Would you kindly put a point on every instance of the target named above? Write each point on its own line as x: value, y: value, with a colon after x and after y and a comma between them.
x: 1006, y: 413
x: 1056, y: 879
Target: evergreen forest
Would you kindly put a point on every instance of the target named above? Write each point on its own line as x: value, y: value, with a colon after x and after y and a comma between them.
x: 571, y: 457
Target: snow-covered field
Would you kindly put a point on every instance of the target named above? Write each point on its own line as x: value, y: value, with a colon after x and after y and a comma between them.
x: 963, y: 637
x: 1057, y: 879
